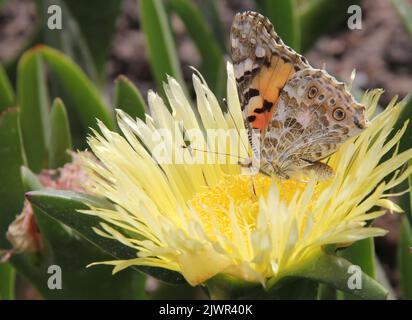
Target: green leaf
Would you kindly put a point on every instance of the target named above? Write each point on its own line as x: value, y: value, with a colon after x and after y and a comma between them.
x: 213, y: 66
x: 284, y: 16
x: 33, y: 101
x: 7, y: 281
x: 405, y: 259
x: 7, y: 98
x: 60, y: 139
x: 11, y: 158
x: 128, y: 98
x: 210, y: 11
x: 225, y: 287
x: 69, y: 39
x: 64, y: 205
x: 318, y: 17
x: 72, y: 254
x: 404, y: 10
x: 334, y: 271
x: 82, y: 93
x: 406, y: 114
x: 97, y: 23
x: 160, y: 43
x: 29, y: 180
x: 405, y: 143
x: 296, y: 289
x: 325, y: 292
x: 362, y: 254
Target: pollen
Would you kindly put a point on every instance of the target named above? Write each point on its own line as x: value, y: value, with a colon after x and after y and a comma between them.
x: 215, y: 205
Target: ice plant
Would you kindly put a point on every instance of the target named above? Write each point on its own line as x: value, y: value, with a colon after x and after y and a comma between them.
x: 204, y: 220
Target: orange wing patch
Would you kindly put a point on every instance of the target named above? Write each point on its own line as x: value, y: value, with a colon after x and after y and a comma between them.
x: 264, y: 92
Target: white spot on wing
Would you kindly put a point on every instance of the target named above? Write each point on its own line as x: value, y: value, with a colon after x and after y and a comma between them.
x: 260, y: 52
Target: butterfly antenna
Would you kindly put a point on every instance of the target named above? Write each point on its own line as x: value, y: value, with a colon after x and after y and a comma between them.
x: 214, y: 152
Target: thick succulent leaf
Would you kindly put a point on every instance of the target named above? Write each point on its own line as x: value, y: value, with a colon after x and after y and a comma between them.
x: 64, y: 205
x: 11, y: 189
x: 406, y: 115
x: 284, y: 16
x: 405, y: 259
x: 7, y: 98
x: 69, y: 40
x: 128, y: 98
x: 11, y: 158
x: 334, y: 271
x: 60, y: 138
x: 97, y: 24
x: 33, y: 101
x: 72, y: 254
x: 326, y: 292
x: 210, y: 11
x: 213, y: 66
x: 362, y: 254
x: 225, y: 287
x: 82, y: 93
x: 405, y: 200
x: 7, y: 281
x: 159, y: 41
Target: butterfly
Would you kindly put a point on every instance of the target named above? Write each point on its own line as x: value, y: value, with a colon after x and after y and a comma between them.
x: 295, y: 115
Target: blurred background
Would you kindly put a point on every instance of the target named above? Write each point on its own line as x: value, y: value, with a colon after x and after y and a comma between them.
x: 123, y: 45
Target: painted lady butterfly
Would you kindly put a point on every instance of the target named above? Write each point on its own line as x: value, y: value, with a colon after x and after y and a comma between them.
x: 300, y: 114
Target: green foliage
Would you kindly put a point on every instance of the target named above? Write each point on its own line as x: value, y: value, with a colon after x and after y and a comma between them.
x: 333, y: 271
x: 7, y: 281
x: 128, y: 98
x: 64, y: 205
x: 213, y: 66
x: 63, y: 247
x: 60, y: 138
x: 285, y: 18
x: 11, y: 158
x: 7, y: 98
x: 33, y: 101
x: 159, y: 41
x: 362, y: 254
x: 82, y: 91
x: 405, y: 259
x: 211, y: 14
x: 86, y: 32
x: 97, y: 26
x: 318, y: 17
x: 30, y: 129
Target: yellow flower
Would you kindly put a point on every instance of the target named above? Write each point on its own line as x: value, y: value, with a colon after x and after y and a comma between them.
x: 204, y: 219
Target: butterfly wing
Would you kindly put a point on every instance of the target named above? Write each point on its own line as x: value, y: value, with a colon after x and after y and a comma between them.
x: 262, y: 66
x: 315, y: 114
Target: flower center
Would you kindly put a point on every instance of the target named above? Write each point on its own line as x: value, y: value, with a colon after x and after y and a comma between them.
x: 236, y: 199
